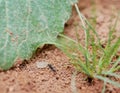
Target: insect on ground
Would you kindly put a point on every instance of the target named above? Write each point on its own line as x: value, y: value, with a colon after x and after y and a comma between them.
x: 51, y: 67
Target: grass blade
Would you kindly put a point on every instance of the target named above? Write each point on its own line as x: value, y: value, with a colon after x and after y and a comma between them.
x: 73, y: 82
x: 108, y: 80
x: 104, y: 87
x: 109, y: 55
x: 114, y: 65
x: 112, y: 29
x: 111, y: 74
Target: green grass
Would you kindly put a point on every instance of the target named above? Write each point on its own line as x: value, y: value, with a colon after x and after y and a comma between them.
x: 96, y: 62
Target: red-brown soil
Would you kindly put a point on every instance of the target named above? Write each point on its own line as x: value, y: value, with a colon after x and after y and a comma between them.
x: 27, y: 78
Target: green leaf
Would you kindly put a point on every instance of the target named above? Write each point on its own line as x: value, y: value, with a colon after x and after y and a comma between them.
x: 28, y: 24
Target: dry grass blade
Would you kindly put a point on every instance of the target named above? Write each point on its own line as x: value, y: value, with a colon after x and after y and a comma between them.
x: 73, y: 82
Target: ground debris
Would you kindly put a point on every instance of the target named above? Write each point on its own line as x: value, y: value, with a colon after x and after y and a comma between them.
x: 41, y: 64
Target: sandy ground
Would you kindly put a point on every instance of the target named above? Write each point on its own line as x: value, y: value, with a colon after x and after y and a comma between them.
x: 27, y: 78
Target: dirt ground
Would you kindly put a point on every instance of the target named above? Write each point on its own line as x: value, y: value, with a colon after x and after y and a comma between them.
x: 27, y: 78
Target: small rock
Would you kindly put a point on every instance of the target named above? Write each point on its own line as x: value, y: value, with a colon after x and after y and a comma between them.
x: 41, y: 64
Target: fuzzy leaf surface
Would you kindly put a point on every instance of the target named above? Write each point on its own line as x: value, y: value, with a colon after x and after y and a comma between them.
x: 27, y: 24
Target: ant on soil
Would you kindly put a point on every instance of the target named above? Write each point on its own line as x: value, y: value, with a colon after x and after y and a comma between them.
x: 51, y: 67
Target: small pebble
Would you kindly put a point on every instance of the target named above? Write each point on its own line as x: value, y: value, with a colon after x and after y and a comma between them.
x: 41, y: 64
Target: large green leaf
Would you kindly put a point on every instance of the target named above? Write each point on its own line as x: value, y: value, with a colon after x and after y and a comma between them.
x: 28, y: 24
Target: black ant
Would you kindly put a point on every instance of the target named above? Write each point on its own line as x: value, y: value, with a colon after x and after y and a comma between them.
x: 51, y: 67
